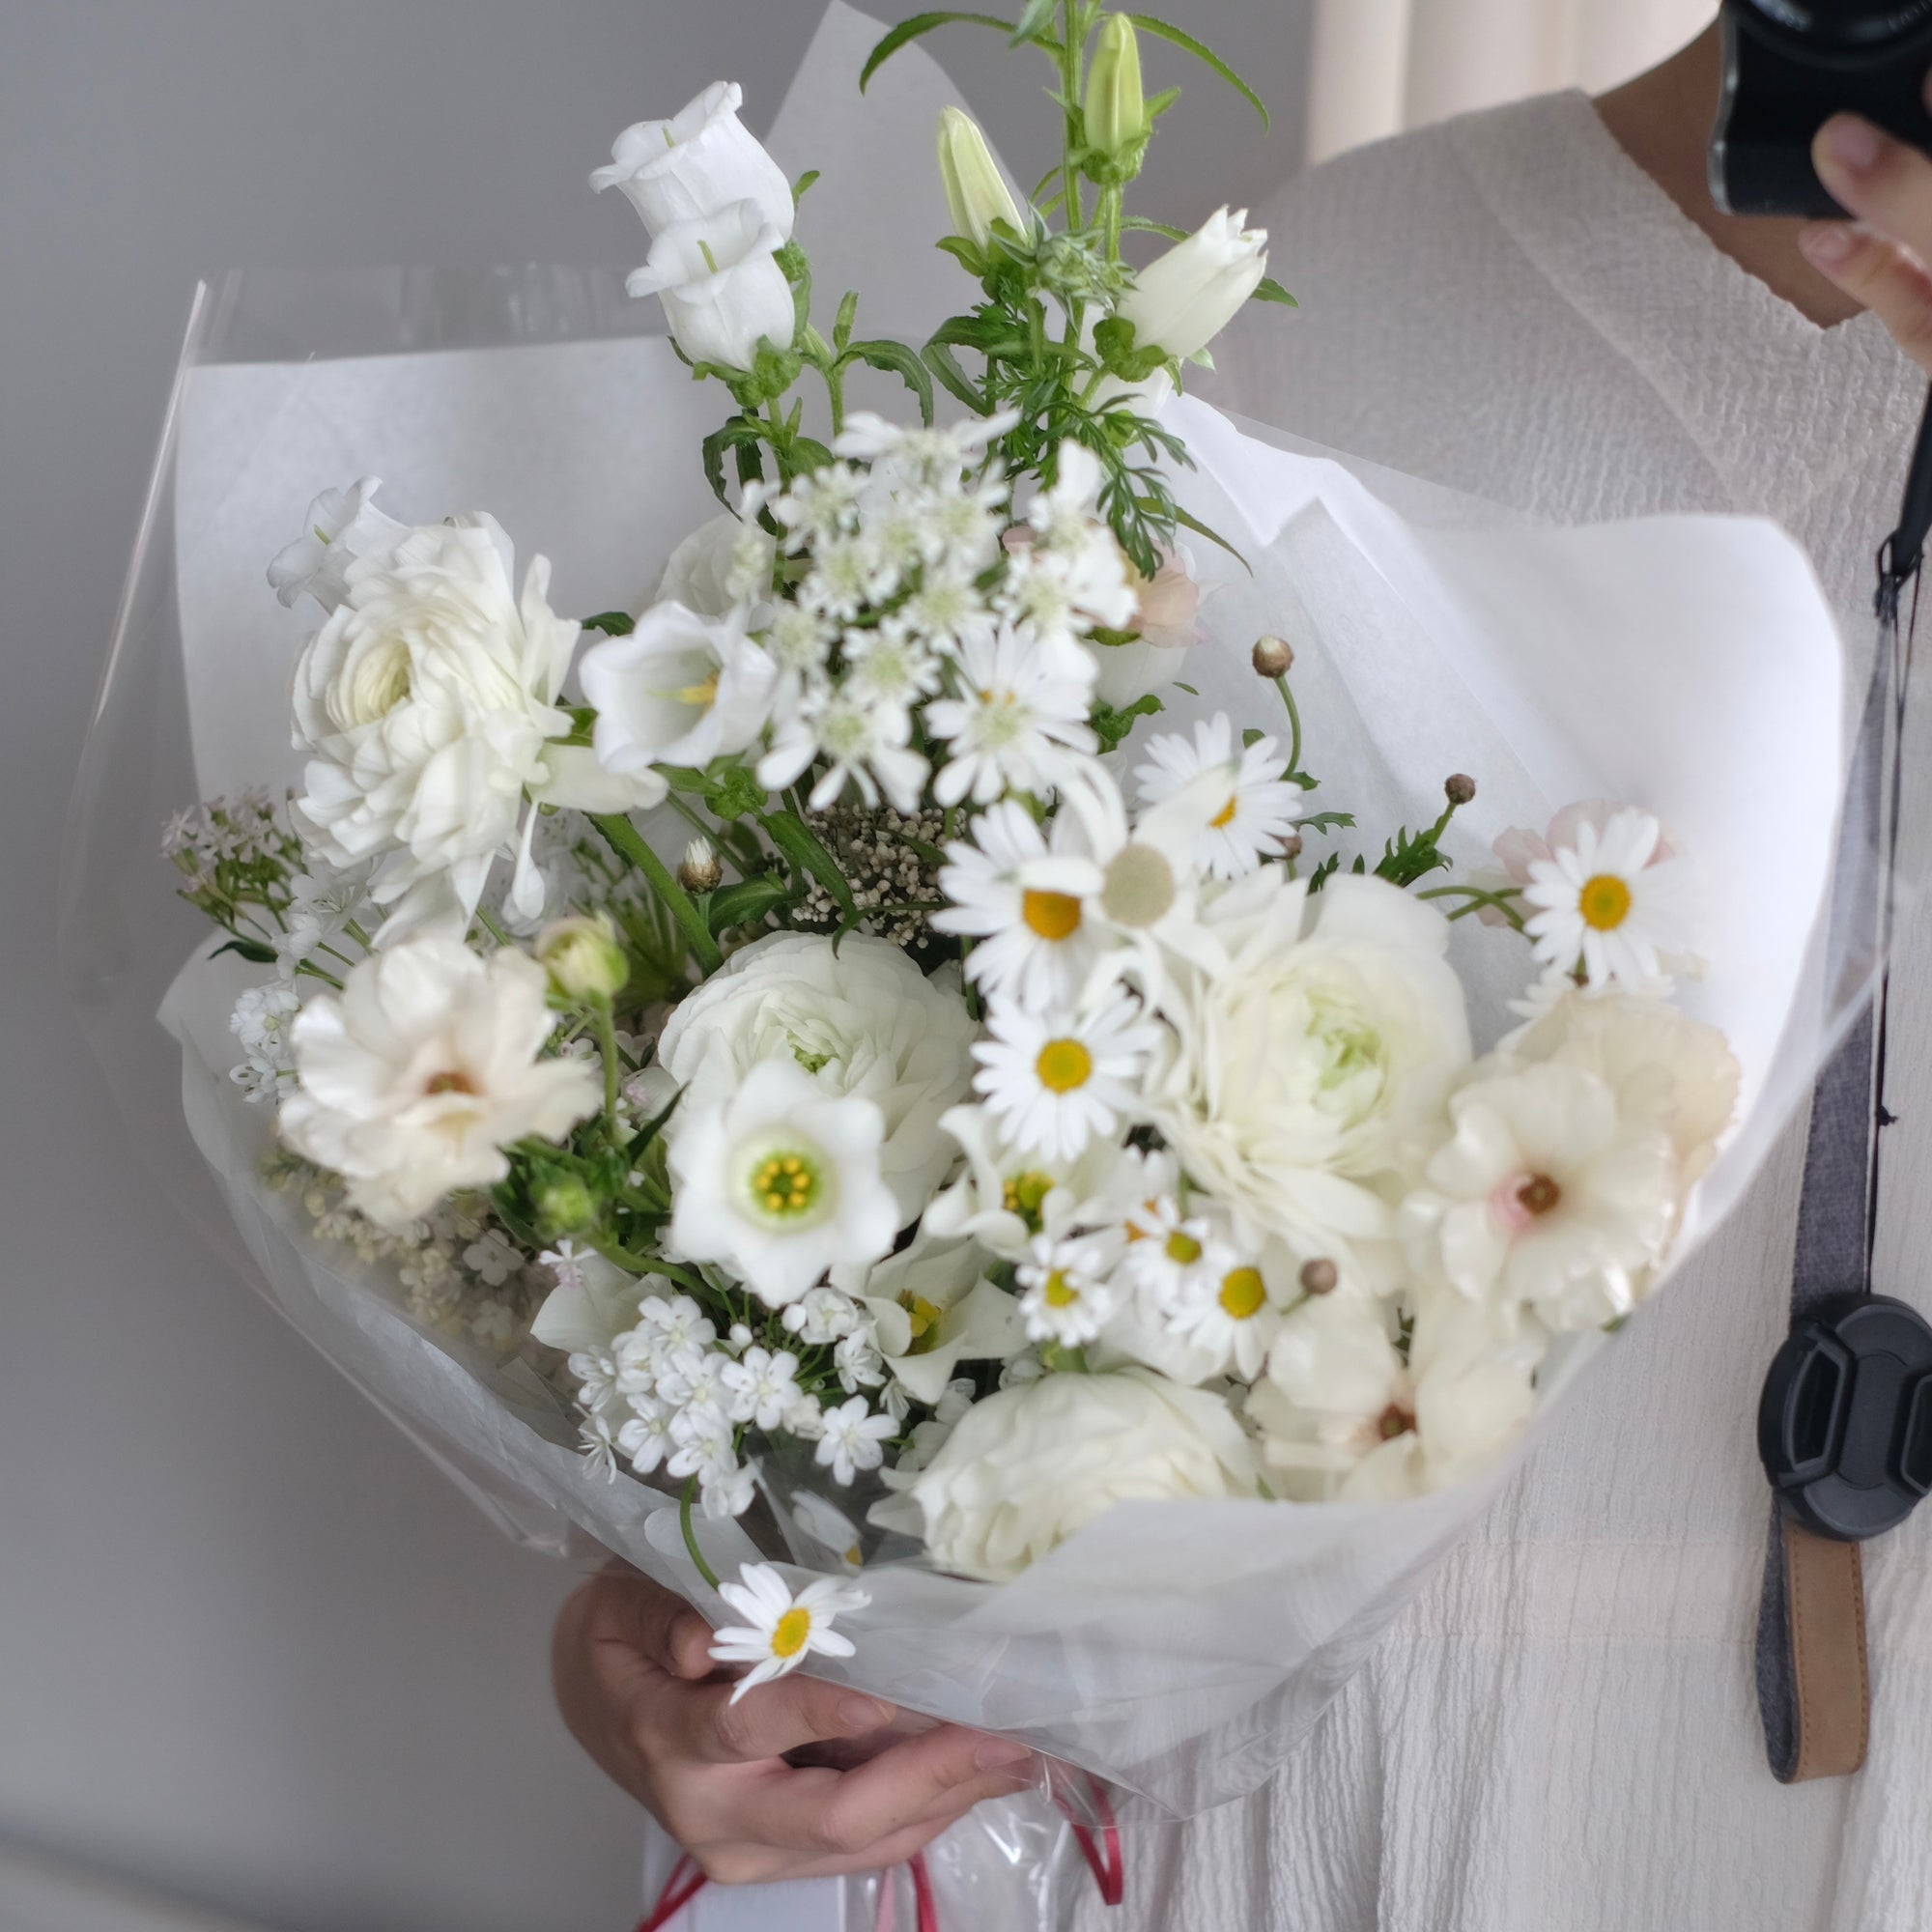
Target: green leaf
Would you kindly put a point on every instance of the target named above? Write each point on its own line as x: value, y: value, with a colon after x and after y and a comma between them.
x: 748, y: 901
x: 250, y: 950
x: 1325, y: 871
x: 1271, y: 291
x: 1040, y: 14
x: 612, y: 623
x: 841, y: 328
x: 1213, y: 536
x: 1189, y: 687
x: 629, y: 844
x: 941, y: 360
x: 908, y: 30
x: 1139, y: 224
x: 737, y: 793
x: 797, y: 842
x: 802, y: 185
x: 1110, y: 726
x: 1163, y: 30
x: 897, y: 359
x: 1158, y: 103
x: 1325, y: 821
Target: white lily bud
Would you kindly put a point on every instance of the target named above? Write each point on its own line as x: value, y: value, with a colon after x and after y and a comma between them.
x: 1183, y: 299
x: 696, y: 164
x: 975, y: 190
x: 720, y: 285
x: 1116, y: 114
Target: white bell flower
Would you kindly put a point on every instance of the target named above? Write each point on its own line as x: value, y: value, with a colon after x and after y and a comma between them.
x: 341, y: 526
x: 722, y: 288
x: 701, y: 160
x: 1182, y: 300
x: 680, y: 690
x: 778, y: 1181
x: 423, y: 1068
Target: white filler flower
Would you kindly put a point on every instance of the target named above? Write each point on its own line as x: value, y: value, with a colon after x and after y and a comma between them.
x: 416, y: 1076
x: 779, y: 1181
x: 1023, y: 712
x: 781, y: 1630
x: 1604, y: 901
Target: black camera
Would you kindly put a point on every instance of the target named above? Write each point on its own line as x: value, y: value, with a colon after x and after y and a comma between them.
x: 1789, y: 66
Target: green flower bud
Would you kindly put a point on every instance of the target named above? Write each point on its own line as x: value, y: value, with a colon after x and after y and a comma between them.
x: 976, y: 191
x: 565, y: 1206
x: 1117, y: 118
x: 584, y: 957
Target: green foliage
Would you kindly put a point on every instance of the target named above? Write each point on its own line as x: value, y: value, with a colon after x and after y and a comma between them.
x: 1112, y: 727
x: 1411, y: 855
x: 908, y: 30
x: 1209, y: 58
x: 612, y: 623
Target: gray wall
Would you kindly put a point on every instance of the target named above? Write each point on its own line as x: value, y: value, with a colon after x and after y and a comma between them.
x: 251, y: 1648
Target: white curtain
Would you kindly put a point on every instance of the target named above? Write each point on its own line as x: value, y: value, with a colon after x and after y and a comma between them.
x: 1381, y: 65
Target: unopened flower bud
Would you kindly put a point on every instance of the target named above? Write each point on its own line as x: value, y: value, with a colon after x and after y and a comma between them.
x: 976, y: 191
x: 584, y: 957
x: 1320, y: 1277
x: 1274, y: 657
x: 1461, y: 789
x: 1117, y: 121
x: 700, y: 870
x: 565, y: 1206
x: 1291, y: 846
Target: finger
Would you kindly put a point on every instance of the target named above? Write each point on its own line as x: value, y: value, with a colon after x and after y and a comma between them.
x: 703, y: 1724
x: 1884, y: 182
x: 630, y: 1613
x: 1892, y: 283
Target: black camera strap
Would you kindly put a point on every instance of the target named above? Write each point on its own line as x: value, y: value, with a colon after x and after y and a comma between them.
x: 1845, y: 1425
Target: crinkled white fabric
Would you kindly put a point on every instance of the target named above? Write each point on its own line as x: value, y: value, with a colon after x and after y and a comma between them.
x: 1561, y: 1732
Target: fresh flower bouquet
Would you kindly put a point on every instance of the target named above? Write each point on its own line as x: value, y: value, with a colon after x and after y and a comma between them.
x: 915, y: 1095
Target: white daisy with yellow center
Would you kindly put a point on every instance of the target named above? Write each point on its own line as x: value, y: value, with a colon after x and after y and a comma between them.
x: 780, y: 1182
x: 1025, y: 901
x: 1261, y: 809
x: 1609, y: 905
x: 1067, y: 1295
x: 1223, y: 1307
x: 781, y: 1629
x: 1056, y: 1082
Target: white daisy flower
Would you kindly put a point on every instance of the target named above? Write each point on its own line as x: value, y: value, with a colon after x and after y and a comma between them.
x: 760, y: 1386
x: 1602, y: 900
x: 781, y: 1630
x: 1223, y: 1309
x: 1024, y: 901
x: 1024, y: 710
x: 852, y: 1439
x: 864, y: 742
x: 1261, y: 809
x: 1166, y: 1247
x: 1056, y: 1084
x: 1067, y: 1296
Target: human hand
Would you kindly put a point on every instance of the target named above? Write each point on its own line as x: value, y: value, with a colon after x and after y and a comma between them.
x: 636, y: 1686
x: 1880, y: 258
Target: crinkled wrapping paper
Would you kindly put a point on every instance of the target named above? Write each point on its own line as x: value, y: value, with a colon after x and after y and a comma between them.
x: 1180, y: 1649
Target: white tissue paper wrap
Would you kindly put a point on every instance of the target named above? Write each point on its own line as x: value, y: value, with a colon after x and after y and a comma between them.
x: 1179, y: 1649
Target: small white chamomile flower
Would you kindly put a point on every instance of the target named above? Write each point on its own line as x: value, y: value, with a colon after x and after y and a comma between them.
x: 781, y: 1630
x: 1605, y: 900
x: 1022, y: 710
x: 1262, y: 808
x: 1067, y: 1295
x: 1053, y: 1083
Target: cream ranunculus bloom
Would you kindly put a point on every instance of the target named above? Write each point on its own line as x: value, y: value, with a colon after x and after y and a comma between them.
x: 701, y: 160
x: 425, y: 704
x: 722, y: 288
x: 1298, y: 1075
x: 423, y: 1068
x: 1027, y: 1467
x: 680, y: 690
x: 860, y: 1017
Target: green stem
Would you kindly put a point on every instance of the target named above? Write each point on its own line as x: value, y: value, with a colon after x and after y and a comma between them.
x: 629, y: 844
x: 696, y: 1555
x: 604, y: 1020
x: 495, y: 930
x: 709, y: 833
x: 1110, y: 222
x: 1295, y: 770
x: 1478, y: 901
x: 1073, y: 46
x: 627, y: 1259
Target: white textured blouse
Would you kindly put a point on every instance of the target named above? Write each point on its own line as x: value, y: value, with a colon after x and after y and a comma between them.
x: 1561, y: 1734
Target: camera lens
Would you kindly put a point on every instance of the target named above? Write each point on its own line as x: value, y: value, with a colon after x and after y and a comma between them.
x: 1847, y: 24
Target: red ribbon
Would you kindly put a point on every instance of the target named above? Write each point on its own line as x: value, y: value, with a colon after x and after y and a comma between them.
x: 1101, y: 1849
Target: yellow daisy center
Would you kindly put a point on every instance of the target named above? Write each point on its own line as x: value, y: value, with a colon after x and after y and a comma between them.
x: 1050, y: 916
x: 791, y: 1632
x: 1604, y: 902
x: 1058, y: 1292
x: 786, y: 1185
x: 1183, y: 1250
x: 1225, y: 817
x: 1242, y: 1294
x: 1064, y: 1065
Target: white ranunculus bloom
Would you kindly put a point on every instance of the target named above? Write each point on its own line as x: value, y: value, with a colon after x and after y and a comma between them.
x: 423, y: 1068
x: 701, y: 160
x: 426, y: 704
x: 722, y: 288
x: 1546, y: 1199
x: 1300, y: 1073
x: 779, y: 1179
x: 680, y: 690
x: 1027, y: 1467
x: 722, y: 566
x: 860, y: 1017
x: 341, y: 526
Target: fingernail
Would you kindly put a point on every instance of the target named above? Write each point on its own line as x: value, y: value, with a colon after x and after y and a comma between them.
x: 1853, y: 143
x: 993, y: 1752
x: 1827, y: 243
x: 864, y: 1714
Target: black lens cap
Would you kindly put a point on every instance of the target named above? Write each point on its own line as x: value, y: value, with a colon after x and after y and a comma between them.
x: 1844, y: 1428
x: 1845, y: 23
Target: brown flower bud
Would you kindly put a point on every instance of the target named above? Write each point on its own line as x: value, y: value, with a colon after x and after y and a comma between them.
x: 1291, y: 846
x: 1460, y: 788
x: 1274, y: 657
x: 1321, y: 1277
x: 700, y: 870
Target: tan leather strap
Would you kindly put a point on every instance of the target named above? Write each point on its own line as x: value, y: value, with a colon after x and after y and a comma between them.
x: 1826, y: 1609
